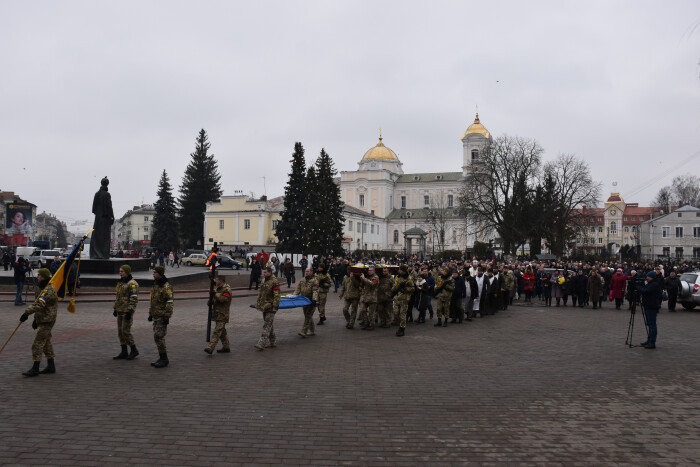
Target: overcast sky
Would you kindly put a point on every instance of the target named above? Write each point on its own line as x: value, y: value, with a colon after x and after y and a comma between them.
x: 89, y: 89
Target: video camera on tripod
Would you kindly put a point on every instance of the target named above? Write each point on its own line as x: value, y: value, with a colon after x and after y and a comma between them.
x: 634, y: 297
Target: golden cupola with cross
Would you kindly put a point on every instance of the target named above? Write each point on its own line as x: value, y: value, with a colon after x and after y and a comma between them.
x: 381, y: 157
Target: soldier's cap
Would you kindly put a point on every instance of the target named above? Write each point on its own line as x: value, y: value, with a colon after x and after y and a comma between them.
x: 45, y: 273
x: 126, y: 268
x: 160, y: 270
x: 404, y: 268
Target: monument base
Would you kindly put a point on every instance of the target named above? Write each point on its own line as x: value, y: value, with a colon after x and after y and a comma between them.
x: 112, y: 265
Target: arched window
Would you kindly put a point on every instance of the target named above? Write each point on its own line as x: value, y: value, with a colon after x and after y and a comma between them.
x: 396, y: 236
x: 475, y: 155
x: 613, y: 227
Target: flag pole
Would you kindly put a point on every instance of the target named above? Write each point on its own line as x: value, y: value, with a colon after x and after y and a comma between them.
x: 13, y: 333
x: 212, y: 274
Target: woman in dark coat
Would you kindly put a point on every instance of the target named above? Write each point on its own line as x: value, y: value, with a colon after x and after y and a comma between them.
x: 255, y: 272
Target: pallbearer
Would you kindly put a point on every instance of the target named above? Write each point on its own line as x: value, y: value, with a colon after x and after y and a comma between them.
x: 402, y: 292
x: 268, y: 303
x: 160, y: 312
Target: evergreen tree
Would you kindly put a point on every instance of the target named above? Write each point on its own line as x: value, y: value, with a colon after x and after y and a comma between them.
x: 289, y: 228
x: 200, y: 185
x: 330, y: 237
x: 61, y: 241
x: 313, y: 220
x: 164, y: 237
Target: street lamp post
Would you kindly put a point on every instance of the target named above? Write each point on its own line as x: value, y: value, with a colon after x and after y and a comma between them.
x: 405, y: 240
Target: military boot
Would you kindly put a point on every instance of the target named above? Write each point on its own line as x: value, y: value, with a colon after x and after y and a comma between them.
x: 160, y: 357
x: 33, y: 371
x: 444, y: 325
x: 50, y: 368
x: 134, y: 353
x: 122, y: 355
x: 439, y: 323
x: 163, y: 362
x: 401, y: 332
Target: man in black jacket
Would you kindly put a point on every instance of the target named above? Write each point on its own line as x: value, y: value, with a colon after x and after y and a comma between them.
x: 651, y: 299
x: 672, y: 286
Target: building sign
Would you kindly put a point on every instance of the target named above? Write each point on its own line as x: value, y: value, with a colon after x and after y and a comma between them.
x: 19, y: 219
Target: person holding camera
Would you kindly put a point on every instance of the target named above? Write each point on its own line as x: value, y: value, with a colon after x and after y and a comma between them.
x: 651, y: 300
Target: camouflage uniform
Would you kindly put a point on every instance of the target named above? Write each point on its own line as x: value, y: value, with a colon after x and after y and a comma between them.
x: 308, y: 287
x: 221, y: 303
x: 446, y: 285
x: 384, y: 299
x: 125, y: 306
x: 161, y: 309
x: 44, y: 309
x: 324, y: 285
x: 350, y: 293
x: 268, y: 303
x: 403, y: 291
x: 368, y: 300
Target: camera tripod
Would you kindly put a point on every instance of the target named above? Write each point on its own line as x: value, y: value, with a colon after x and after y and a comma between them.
x: 630, y: 326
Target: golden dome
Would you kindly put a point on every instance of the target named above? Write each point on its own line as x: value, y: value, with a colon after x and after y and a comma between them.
x: 380, y: 152
x: 477, y: 127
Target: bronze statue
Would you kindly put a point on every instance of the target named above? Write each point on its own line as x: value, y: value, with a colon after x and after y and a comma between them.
x: 104, y: 218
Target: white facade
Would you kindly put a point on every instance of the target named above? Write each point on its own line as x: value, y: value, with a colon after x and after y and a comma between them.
x: 135, y: 227
x: 675, y: 235
x: 403, y: 201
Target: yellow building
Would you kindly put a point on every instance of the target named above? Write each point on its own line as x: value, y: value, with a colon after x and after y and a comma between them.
x: 240, y: 220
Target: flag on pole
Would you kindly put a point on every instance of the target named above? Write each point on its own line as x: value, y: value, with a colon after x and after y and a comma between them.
x: 60, y: 278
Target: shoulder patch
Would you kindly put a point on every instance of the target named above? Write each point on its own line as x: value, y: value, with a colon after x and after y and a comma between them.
x: 277, y: 287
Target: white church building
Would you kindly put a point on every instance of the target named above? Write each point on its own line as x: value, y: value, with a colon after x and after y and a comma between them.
x: 419, y: 204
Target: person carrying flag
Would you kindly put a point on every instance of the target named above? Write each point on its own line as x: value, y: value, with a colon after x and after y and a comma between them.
x: 44, y: 310
x: 124, y: 308
x: 221, y: 298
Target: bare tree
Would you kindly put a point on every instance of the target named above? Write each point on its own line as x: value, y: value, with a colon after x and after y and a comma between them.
x: 684, y: 189
x: 573, y: 188
x: 496, y: 194
x: 437, y: 217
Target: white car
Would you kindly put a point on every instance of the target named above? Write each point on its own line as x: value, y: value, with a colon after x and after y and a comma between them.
x: 689, y: 295
x: 41, y: 258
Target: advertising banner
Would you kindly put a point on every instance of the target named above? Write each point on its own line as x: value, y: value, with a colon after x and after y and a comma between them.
x: 19, y: 219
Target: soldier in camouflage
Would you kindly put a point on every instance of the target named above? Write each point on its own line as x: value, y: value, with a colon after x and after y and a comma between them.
x: 402, y: 291
x: 221, y: 305
x: 384, y: 298
x: 160, y: 312
x: 324, y: 285
x: 444, y: 285
x: 268, y: 304
x: 124, y: 308
x: 368, y: 299
x: 44, y: 310
x: 308, y: 287
x: 350, y: 294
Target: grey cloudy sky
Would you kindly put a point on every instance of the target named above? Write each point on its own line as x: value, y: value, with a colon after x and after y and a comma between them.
x: 89, y: 89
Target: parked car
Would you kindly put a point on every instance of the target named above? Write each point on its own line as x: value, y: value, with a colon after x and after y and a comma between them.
x: 689, y: 295
x: 195, y: 260
x: 225, y: 261
x: 41, y: 258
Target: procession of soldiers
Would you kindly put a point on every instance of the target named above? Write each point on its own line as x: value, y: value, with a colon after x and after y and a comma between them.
x: 373, y: 296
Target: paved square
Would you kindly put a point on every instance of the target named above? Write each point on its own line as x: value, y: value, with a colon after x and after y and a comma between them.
x: 527, y: 386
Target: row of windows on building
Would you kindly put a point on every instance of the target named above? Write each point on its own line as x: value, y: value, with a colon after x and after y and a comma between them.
x: 666, y: 232
x: 430, y: 236
x: 679, y: 251
x: 361, y: 227
x: 246, y: 224
x: 404, y: 205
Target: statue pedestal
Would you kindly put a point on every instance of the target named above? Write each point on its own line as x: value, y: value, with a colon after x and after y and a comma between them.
x: 112, y: 265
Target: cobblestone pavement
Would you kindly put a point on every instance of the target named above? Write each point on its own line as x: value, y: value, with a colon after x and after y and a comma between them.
x: 528, y: 386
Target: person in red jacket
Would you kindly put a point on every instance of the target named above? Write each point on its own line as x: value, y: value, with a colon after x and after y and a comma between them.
x: 618, y: 284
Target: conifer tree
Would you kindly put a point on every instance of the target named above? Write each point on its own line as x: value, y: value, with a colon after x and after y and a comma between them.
x: 200, y: 185
x: 313, y: 220
x: 289, y: 228
x: 164, y: 237
x: 330, y: 236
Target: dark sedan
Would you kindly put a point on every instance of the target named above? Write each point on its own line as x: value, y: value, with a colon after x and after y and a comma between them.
x: 226, y: 261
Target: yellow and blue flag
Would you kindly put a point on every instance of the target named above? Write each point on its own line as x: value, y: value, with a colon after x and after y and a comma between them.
x: 60, y: 278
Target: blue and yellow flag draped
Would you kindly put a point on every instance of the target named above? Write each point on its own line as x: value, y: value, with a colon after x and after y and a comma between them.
x: 60, y: 278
